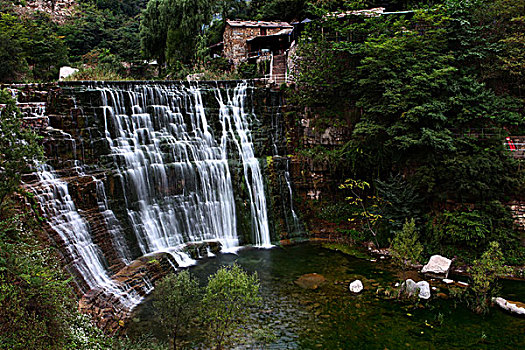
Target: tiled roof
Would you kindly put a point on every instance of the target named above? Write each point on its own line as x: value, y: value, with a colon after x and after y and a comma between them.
x: 261, y: 24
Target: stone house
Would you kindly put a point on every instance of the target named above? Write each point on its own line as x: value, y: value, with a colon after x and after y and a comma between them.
x: 238, y: 34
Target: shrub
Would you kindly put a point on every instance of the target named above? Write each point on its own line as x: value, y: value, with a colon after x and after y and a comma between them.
x: 227, y: 300
x: 484, y: 274
x: 176, y: 301
x: 405, y: 248
x: 19, y: 147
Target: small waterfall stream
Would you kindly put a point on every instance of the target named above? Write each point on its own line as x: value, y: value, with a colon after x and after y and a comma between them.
x: 85, y: 256
x: 235, y: 121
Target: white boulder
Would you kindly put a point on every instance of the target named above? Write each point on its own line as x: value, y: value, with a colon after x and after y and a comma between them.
x: 66, y: 72
x: 411, y: 288
x: 511, y: 306
x: 356, y: 286
x: 437, y: 264
x: 424, y: 289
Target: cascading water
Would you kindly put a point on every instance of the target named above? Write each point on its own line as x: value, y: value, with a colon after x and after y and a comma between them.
x: 175, y: 172
x: 173, y: 163
x: 235, y: 122
x: 64, y: 219
x: 279, y: 139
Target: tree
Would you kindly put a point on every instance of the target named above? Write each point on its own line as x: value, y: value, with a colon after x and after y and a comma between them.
x: 19, y: 148
x: 12, y: 49
x: 153, y: 32
x: 283, y: 10
x: 169, y: 29
x: 484, y: 274
x: 29, y: 48
x: 227, y: 300
x: 405, y: 248
x: 176, y: 301
x: 368, y: 213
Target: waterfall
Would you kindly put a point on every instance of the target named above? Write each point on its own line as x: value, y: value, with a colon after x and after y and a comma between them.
x: 235, y: 122
x: 172, y: 157
x: 173, y: 168
x: 63, y: 217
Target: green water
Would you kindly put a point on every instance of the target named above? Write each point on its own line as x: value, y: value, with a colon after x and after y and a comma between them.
x: 331, y: 317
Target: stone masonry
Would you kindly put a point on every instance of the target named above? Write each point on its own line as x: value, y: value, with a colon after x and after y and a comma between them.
x: 237, y: 34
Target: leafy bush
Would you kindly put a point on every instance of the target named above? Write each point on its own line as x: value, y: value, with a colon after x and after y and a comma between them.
x: 229, y: 295
x: 19, y: 147
x: 485, y: 273
x: 336, y: 212
x: 176, y: 302
x: 405, y: 248
x: 467, y: 231
x: 247, y: 70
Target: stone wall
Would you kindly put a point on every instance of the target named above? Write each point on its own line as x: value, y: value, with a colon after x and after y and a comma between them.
x: 235, y: 40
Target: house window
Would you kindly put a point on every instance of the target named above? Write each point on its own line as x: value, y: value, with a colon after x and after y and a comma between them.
x: 263, y: 31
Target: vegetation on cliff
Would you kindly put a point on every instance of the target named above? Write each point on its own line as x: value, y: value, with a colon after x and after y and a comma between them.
x: 37, y: 303
x: 432, y: 95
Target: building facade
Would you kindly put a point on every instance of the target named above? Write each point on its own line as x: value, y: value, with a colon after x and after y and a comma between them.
x: 237, y: 35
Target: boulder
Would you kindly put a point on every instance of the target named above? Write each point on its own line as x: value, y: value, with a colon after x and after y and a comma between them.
x: 437, y: 264
x: 514, y: 307
x: 66, y: 72
x: 411, y: 288
x: 310, y: 281
x: 424, y: 289
x: 356, y: 286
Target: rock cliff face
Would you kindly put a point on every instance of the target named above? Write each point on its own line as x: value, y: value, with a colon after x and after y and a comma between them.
x: 58, y: 10
x: 86, y: 181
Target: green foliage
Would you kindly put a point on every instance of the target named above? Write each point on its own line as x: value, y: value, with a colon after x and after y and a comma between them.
x: 369, y: 205
x: 176, y: 302
x: 436, y: 93
x: 169, y: 29
x: 247, y: 70
x: 284, y: 10
x: 336, y: 212
x: 405, y: 248
x: 30, y: 49
x: 95, y: 26
x: 19, y: 147
x: 485, y: 273
x: 37, y: 306
x: 400, y: 200
x: 227, y: 300
x: 466, y: 231
x: 32, y: 296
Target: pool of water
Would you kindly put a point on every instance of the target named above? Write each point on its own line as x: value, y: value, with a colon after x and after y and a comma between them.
x: 330, y: 317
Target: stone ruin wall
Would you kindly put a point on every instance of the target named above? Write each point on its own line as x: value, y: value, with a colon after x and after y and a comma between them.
x: 235, y: 40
